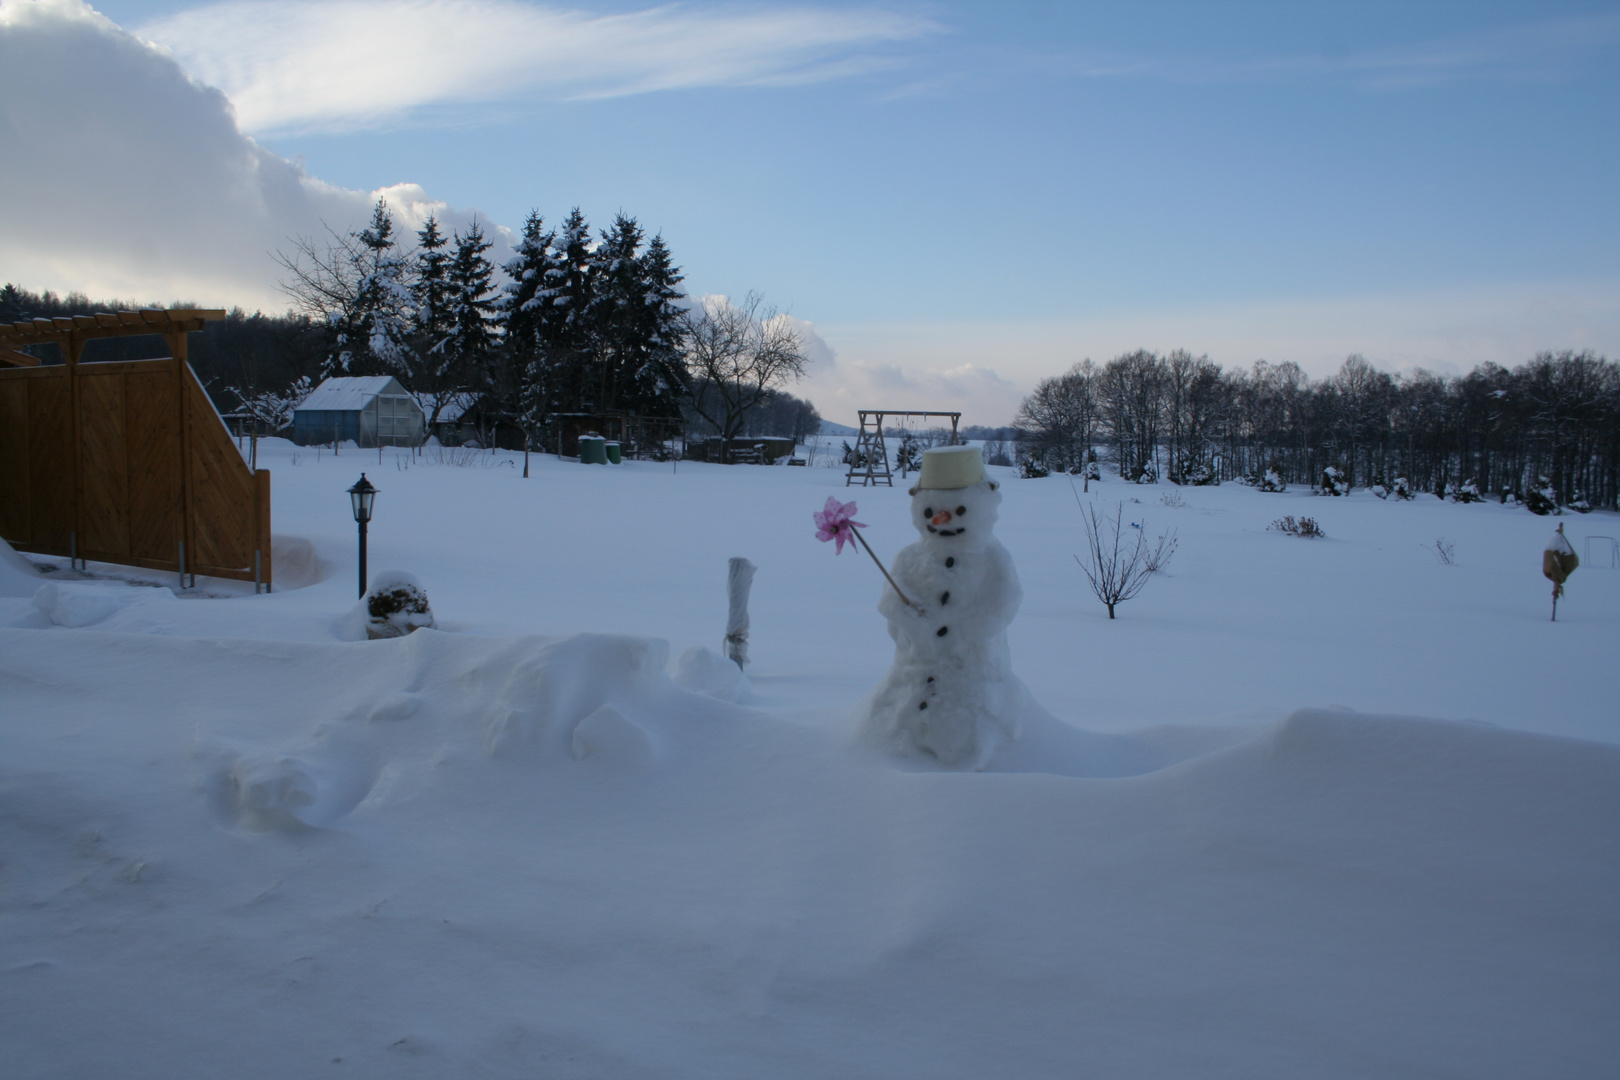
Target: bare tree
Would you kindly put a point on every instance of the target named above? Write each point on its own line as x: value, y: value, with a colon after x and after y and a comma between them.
x: 322, y: 280
x: 1117, y: 567
x: 735, y: 355
x: 1057, y: 422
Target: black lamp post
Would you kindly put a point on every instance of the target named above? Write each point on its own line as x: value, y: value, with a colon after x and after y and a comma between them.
x: 362, y: 495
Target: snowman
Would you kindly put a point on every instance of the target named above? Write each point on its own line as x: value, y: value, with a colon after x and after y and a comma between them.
x: 950, y: 694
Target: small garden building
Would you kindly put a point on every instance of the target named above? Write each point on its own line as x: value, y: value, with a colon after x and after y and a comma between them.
x: 369, y: 410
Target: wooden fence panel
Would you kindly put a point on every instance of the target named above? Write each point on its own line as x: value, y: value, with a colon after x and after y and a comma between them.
x: 156, y: 507
x: 103, y: 489
x: 224, y: 496
x: 152, y: 466
x: 51, y: 494
x: 14, y: 452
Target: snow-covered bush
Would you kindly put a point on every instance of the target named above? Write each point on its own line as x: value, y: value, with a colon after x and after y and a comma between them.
x: 1271, y: 481
x: 1198, y: 476
x: 1306, y: 527
x: 1541, y: 499
x: 1033, y: 468
x: 1467, y: 492
x: 1146, y: 475
x: 909, y: 457
x: 853, y: 456
x: 1333, y: 482
x: 1379, y: 490
x: 396, y: 605
x: 1580, y: 504
x: 1508, y: 498
x: 1401, y: 489
x: 271, y: 412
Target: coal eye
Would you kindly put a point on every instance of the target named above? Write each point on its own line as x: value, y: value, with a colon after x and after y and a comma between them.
x: 960, y: 510
x: 928, y: 511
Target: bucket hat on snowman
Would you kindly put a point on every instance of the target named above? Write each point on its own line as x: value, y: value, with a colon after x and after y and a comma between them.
x: 947, y: 468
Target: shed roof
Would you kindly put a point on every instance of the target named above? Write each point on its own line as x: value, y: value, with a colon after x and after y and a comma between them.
x: 454, y: 408
x: 349, y: 393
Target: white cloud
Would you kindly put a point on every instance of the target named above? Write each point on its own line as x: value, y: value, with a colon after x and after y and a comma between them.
x: 342, y: 64
x: 125, y: 179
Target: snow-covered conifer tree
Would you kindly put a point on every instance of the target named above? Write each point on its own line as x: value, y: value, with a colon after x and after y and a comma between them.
x: 652, y: 376
x: 432, y: 380
x: 567, y: 291
x: 371, y: 333
x: 524, y: 379
x: 470, y: 343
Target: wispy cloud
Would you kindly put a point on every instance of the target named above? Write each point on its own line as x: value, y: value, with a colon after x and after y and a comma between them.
x: 297, y: 65
x: 1541, y: 50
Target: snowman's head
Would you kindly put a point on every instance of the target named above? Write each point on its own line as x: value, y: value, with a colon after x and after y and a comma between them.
x: 954, y: 503
x: 956, y: 517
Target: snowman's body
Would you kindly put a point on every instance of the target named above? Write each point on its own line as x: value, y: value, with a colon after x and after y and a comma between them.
x: 950, y: 693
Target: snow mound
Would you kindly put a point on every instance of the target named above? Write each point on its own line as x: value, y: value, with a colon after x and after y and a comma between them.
x: 270, y: 790
x: 17, y: 575
x: 704, y: 671
x: 75, y: 605
x: 295, y: 563
x: 606, y: 733
x: 538, y: 699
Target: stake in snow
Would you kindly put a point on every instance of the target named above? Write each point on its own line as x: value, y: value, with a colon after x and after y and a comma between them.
x: 739, y: 581
x: 950, y: 694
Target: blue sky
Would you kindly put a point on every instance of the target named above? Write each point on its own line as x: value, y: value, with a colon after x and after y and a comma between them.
x: 960, y: 199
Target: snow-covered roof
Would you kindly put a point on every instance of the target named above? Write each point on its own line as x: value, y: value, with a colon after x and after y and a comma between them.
x: 349, y: 393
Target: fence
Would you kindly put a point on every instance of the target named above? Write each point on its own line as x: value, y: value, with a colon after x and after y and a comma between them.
x: 125, y: 462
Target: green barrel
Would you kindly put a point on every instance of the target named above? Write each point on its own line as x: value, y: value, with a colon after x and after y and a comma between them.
x: 592, y: 450
x: 613, y: 455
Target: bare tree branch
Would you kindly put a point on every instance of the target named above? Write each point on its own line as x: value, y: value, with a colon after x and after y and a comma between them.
x: 1117, y: 568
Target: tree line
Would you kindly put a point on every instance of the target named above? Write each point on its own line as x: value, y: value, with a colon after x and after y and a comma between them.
x: 1184, y: 418
x: 578, y: 326
x: 570, y: 325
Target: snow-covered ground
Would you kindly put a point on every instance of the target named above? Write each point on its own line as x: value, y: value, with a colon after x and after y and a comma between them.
x: 238, y: 839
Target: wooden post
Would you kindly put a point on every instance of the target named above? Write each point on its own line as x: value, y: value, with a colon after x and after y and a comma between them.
x: 177, y: 349
x: 72, y: 348
x: 261, y: 485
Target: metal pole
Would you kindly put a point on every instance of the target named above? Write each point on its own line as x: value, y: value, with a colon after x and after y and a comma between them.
x: 73, y: 549
x: 257, y: 577
x: 182, y: 565
x: 362, y: 560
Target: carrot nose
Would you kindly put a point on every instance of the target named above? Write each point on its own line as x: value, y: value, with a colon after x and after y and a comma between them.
x: 941, y: 518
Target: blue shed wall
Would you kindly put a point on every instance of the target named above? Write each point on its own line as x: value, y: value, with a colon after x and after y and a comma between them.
x: 312, y: 426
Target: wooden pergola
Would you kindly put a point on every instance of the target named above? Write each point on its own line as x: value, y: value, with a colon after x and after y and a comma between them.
x: 71, y: 333
x: 125, y: 461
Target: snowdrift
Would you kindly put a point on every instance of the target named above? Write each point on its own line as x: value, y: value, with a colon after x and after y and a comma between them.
x: 17, y: 575
x: 450, y: 855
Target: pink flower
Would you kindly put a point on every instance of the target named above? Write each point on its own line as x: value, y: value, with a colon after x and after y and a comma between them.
x: 836, y: 521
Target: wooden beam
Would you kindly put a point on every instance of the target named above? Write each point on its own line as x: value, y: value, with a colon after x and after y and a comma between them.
x: 18, y: 359
x: 109, y: 324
